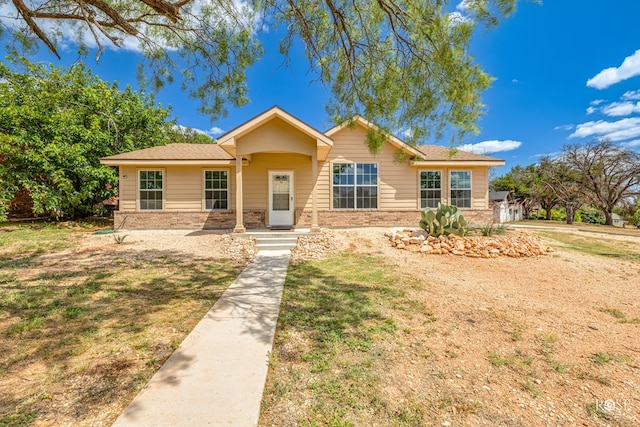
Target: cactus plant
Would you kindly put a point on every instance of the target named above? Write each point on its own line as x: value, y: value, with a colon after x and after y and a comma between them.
x: 446, y: 220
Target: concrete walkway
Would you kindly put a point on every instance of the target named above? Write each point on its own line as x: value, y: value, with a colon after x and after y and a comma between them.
x: 217, y: 375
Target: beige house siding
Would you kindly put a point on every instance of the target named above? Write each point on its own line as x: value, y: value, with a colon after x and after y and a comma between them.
x: 397, y: 183
x: 256, y: 178
x: 183, y: 187
x: 276, y: 135
x: 128, y: 188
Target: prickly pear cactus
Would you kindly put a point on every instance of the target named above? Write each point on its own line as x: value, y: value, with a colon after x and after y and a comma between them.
x: 446, y: 220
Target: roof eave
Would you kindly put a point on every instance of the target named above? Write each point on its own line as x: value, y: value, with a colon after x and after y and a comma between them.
x: 457, y: 163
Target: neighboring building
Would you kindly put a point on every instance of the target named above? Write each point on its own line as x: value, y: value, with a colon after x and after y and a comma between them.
x: 277, y: 171
x: 505, y: 207
x: 618, y: 221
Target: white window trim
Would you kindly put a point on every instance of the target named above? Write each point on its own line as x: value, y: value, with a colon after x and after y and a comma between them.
x: 164, y: 188
x: 355, y: 202
x: 470, y: 186
x: 420, y: 189
x: 204, y: 188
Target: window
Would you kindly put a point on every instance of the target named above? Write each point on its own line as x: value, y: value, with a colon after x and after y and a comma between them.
x: 461, y: 189
x: 216, y: 190
x: 151, y: 190
x: 430, y: 189
x: 355, y: 186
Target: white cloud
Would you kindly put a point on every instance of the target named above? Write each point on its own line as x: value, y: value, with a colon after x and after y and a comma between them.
x: 461, y: 15
x: 458, y: 18
x: 620, y: 130
x: 215, y: 131
x: 463, y: 6
x: 563, y: 127
x: 494, y: 146
x: 630, y: 67
x: 631, y: 144
x: 591, y: 110
x: 596, y: 102
x: 631, y: 95
x: 617, y: 109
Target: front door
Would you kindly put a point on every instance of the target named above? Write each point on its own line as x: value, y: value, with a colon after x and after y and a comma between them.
x: 280, y: 198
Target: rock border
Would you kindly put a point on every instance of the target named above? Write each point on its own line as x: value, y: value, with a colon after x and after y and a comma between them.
x: 516, y: 244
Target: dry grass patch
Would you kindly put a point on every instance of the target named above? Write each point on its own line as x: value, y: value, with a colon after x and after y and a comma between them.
x: 83, y: 329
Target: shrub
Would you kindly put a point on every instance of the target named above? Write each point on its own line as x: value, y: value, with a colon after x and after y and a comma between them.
x: 492, y: 228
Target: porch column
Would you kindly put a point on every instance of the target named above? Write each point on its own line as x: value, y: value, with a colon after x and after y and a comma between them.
x: 314, y: 208
x: 239, y: 228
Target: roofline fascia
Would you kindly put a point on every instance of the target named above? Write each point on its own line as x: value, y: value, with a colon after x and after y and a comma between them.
x: 115, y: 162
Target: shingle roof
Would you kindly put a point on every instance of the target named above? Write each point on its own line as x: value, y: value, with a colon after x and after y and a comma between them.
x: 176, y: 152
x: 440, y: 153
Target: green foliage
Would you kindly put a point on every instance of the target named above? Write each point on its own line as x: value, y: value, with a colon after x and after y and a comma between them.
x: 181, y: 134
x: 402, y: 64
x: 492, y: 228
x: 445, y: 221
x: 55, y: 125
x: 635, y: 218
x: 591, y: 215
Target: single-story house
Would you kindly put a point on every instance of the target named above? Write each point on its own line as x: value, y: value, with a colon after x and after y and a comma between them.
x: 277, y: 171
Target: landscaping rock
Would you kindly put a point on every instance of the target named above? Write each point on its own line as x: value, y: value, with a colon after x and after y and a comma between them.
x: 512, y: 244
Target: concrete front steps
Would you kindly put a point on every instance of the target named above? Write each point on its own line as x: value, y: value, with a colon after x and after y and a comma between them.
x: 276, y: 240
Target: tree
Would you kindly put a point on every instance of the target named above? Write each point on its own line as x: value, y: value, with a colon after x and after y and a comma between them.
x: 181, y: 134
x: 55, y: 124
x: 402, y: 64
x: 609, y: 173
x: 635, y: 218
x: 562, y: 182
x: 541, y: 192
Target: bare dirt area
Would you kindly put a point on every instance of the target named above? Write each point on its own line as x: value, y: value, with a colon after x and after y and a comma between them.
x: 549, y: 340
x: 86, y: 321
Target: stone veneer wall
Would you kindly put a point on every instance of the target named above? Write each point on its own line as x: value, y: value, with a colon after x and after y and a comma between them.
x: 352, y: 218
x: 186, y: 220
x: 255, y: 218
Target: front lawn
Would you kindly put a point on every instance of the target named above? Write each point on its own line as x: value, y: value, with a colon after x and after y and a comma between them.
x: 376, y: 336
x: 83, y: 329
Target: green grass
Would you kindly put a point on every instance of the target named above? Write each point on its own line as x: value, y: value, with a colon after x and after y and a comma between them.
x: 595, y: 228
x: 619, y: 314
x: 603, y: 357
x: 518, y: 359
x: 337, y: 309
x: 603, y: 247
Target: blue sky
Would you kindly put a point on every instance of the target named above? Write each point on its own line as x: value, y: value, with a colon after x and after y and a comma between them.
x: 567, y: 71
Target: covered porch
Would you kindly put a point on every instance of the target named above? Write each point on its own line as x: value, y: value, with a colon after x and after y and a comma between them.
x: 276, y: 168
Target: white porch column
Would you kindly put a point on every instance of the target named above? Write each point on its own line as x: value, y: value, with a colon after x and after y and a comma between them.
x: 314, y: 196
x: 239, y: 228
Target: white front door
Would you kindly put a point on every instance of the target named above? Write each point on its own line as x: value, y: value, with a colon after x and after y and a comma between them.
x: 280, y: 197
